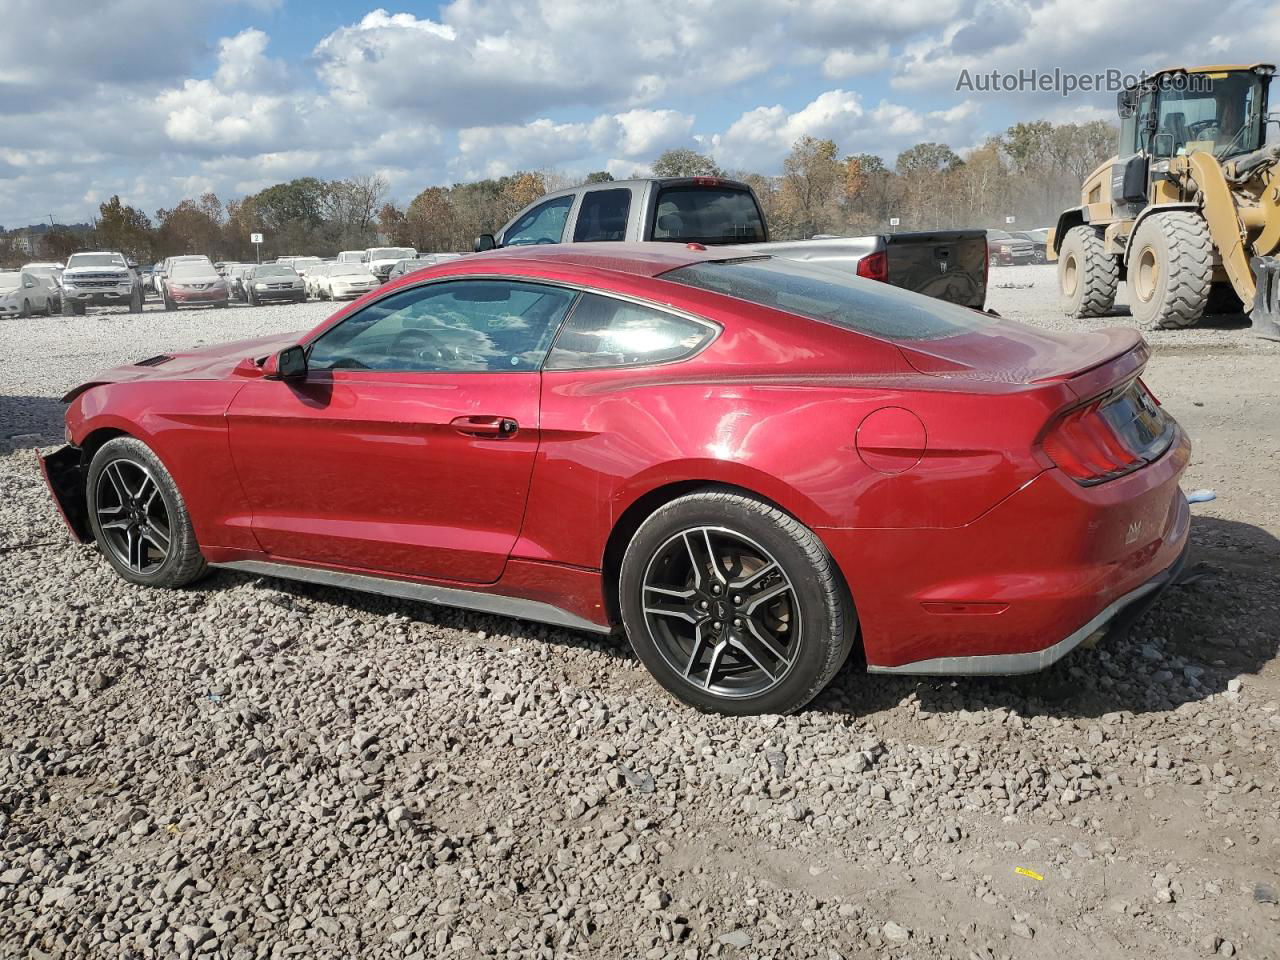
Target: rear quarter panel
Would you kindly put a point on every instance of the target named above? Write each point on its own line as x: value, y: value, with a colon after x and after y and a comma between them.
x: 773, y: 406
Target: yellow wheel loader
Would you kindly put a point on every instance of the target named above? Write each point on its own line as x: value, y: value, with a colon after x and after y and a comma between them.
x: 1187, y: 213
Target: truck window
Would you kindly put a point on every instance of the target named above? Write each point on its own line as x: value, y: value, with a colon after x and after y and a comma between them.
x: 707, y: 214
x: 543, y: 224
x: 603, y: 216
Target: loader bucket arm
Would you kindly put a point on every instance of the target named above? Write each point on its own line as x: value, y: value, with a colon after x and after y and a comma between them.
x: 1225, y: 228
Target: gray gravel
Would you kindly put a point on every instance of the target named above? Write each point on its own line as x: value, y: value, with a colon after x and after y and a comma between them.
x: 251, y: 768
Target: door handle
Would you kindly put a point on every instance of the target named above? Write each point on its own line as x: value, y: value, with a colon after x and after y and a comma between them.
x: 495, y: 428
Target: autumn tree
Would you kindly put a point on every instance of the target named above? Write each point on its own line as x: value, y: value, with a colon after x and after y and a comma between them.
x: 124, y: 228
x: 811, y: 179
x: 683, y: 162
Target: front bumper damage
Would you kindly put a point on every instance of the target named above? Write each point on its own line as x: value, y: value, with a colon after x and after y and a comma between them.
x: 64, y: 474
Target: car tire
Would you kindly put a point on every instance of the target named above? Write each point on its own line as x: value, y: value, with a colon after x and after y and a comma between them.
x: 26, y: 309
x: 169, y: 305
x: 135, y: 301
x: 1087, y: 276
x: 250, y: 299
x: 139, y: 518
x: 1170, y: 270
x: 711, y: 589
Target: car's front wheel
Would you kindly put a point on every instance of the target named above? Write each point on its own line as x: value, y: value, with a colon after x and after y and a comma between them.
x: 139, y: 518
x: 733, y: 605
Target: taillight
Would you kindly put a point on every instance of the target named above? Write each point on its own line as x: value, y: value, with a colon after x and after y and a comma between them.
x: 707, y: 181
x: 875, y: 266
x: 1109, y: 437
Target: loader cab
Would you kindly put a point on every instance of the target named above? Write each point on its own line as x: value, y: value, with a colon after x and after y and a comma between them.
x: 1221, y: 110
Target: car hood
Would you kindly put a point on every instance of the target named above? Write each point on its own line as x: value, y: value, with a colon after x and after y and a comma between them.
x: 1006, y: 351
x: 209, y: 363
x: 76, y: 271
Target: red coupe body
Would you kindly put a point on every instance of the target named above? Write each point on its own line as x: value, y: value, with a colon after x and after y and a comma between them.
x: 979, y: 522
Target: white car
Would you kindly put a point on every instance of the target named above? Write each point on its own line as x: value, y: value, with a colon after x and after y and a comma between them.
x: 380, y: 260
x: 311, y: 279
x: 50, y: 274
x: 304, y: 264
x: 345, y: 281
x: 22, y: 294
x: 351, y: 256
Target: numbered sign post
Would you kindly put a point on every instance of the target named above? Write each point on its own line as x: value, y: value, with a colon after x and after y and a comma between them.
x: 256, y: 240
x: 1010, y: 219
x: 893, y: 222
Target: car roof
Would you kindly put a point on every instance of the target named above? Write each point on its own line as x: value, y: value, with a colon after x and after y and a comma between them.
x: 637, y: 259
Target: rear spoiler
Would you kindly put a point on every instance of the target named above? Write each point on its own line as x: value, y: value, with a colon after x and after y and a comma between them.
x: 1091, y: 380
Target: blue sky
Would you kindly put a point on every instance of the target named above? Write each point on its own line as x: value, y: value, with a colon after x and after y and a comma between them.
x: 155, y: 100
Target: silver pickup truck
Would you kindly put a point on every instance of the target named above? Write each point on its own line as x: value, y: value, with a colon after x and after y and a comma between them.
x: 949, y: 265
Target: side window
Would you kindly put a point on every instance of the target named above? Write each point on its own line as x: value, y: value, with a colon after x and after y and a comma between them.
x: 603, y: 216
x: 464, y: 326
x: 543, y: 224
x: 604, y: 332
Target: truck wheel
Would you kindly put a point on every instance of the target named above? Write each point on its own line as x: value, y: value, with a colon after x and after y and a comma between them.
x: 1170, y: 270
x: 1087, y: 276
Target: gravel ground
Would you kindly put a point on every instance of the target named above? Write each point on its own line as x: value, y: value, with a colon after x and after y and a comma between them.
x: 251, y: 768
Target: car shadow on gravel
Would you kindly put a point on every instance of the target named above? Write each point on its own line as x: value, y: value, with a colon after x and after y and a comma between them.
x: 1211, y: 628
x: 27, y: 422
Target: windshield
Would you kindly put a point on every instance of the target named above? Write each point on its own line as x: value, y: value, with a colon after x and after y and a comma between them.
x: 192, y: 268
x: 830, y: 295
x: 10, y: 281
x: 96, y: 260
x: 391, y: 253
x: 1216, y: 112
x: 707, y: 215
x: 998, y: 235
x: 349, y: 270
x: 275, y: 270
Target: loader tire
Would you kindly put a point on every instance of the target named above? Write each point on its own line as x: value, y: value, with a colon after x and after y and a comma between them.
x: 1170, y: 270
x: 1087, y: 276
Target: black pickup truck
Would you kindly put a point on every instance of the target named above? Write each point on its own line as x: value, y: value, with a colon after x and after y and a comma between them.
x: 949, y: 265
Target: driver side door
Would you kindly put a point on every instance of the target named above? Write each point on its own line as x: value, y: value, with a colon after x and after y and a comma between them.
x: 408, y: 447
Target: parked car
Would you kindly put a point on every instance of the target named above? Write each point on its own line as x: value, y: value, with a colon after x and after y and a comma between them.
x: 152, y: 281
x: 1007, y: 250
x: 345, y: 281
x: 950, y: 265
x: 272, y: 282
x: 303, y: 264
x: 235, y: 280
x: 166, y: 265
x: 195, y: 283
x: 101, y: 278
x: 420, y: 262
x: 765, y: 462
x: 49, y: 274
x: 311, y: 282
x: 351, y: 256
x: 1039, y: 240
x: 380, y: 260
x: 22, y: 293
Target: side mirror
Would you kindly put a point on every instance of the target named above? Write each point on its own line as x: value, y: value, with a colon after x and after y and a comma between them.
x: 484, y: 242
x: 1126, y: 103
x: 290, y: 364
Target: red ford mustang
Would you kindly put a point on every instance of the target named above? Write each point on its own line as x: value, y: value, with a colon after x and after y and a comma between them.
x: 748, y: 463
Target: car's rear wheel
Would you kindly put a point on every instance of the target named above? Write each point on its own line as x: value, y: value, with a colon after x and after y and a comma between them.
x: 139, y: 518
x: 733, y: 605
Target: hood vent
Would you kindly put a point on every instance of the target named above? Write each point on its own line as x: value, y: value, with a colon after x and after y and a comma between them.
x: 154, y: 361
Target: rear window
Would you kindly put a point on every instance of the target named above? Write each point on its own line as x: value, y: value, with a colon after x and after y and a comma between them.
x: 605, y: 332
x: 830, y: 295
x: 602, y: 216
x: 707, y: 215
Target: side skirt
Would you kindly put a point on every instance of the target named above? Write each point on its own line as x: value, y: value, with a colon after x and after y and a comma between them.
x: 516, y: 607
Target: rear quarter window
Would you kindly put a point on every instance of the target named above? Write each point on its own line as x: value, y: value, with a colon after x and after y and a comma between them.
x: 831, y: 296
x: 605, y: 332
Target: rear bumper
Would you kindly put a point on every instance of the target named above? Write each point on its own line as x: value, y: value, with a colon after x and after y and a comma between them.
x: 1116, y: 617
x: 1017, y: 588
